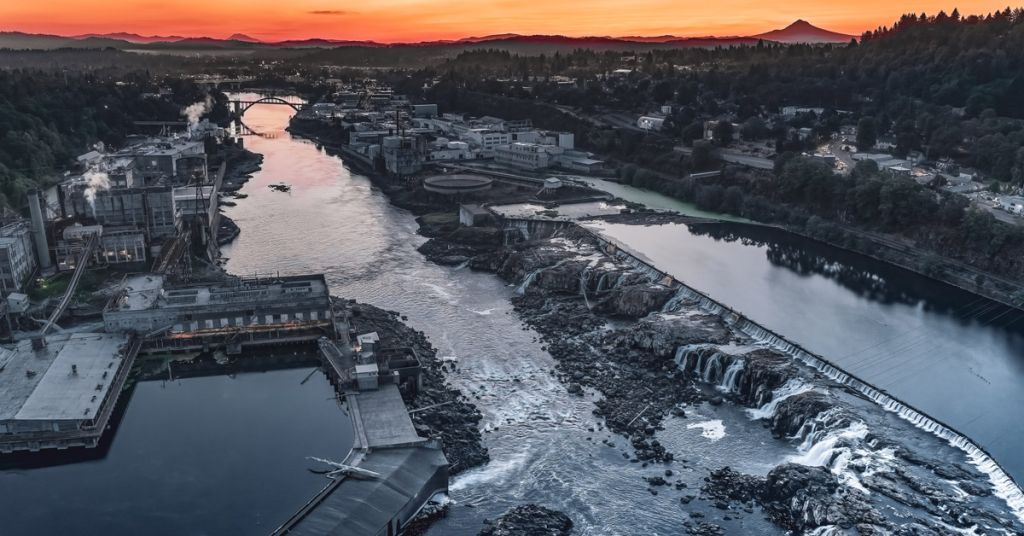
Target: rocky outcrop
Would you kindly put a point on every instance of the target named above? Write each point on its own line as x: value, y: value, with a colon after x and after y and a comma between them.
x: 727, y: 485
x: 634, y: 301
x: 663, y: 335
x: 792, y: 413
x: 563, y: 277
x: 456, y: 245
x: 801, y: 498
x: 529, y: 520
x: 763, y: 372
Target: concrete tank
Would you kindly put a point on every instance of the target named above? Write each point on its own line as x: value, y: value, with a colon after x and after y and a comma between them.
x: 457, y: 184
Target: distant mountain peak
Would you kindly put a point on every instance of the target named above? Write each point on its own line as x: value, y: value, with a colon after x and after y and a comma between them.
x: 801, y: 31
x: 242, y: 37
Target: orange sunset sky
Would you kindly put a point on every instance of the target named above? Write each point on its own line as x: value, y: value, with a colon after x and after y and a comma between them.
x: 417, y: 20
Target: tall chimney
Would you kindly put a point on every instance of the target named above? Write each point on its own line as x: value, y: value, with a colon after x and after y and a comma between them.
x: 39, y: 230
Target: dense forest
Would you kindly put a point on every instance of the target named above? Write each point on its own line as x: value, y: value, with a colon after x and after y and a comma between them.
x: 47, y: 118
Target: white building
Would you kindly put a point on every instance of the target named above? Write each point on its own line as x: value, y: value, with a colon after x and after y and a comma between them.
x: 526, y: 155
x: 650, y: 122
x: 487, y: 139
x: 1013, y: 204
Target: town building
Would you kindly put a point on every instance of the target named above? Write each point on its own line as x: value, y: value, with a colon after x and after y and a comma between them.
x: 653, y: 123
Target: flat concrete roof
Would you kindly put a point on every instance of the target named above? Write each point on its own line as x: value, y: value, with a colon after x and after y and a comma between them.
x: 142, y: 291
x: 40, y: 385
x: 147, y: 292
x: 564, y: 212
x: 385, y: 419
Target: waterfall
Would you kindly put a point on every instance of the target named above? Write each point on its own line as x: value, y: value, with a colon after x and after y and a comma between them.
x: 585, y: 277
x: 819, y: 450
x: 1002, y: 483
x: 648, y: 271
x: 839, y: 445
x: 732, y: 376
x: 527, y: 281
x: 691, y: 356
x: 522, y: 225
x: 710, y: 365
x: 792, y: 387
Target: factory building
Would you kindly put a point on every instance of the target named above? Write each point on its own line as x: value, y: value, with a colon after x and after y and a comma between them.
x: 403, y: 155
x: 149, y: 208
x: 123, y: 246
x: 17, y: 258
x: 236, y: 312
x: 183, y: 160
x: 59, y: 392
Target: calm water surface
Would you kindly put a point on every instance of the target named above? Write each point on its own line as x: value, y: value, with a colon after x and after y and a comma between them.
x: 217, y: 455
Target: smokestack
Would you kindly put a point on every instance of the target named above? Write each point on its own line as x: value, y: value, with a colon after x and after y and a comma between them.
x: 39, y: 230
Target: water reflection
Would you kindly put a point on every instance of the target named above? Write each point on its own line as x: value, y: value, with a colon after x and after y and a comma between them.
x: 866, y: 277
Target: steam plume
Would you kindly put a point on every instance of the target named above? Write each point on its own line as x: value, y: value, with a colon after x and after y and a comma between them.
x: 95, y: 181
x: 196, y: 111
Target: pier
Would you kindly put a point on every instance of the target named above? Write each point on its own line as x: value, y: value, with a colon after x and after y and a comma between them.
x: 391, y: 473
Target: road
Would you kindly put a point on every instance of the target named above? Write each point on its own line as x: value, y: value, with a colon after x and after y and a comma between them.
x: 734, y: 157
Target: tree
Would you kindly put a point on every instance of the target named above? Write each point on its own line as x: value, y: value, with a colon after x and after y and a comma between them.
x: 754, y: 129
x: 1017, y: 173
x: 867, y: 135
x: 692, y: 132
x: 702, y: 156
x: 722, y: 133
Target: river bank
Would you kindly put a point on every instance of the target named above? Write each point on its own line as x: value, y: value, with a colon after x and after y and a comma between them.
x: 241, y: 165
x: 578, y: 310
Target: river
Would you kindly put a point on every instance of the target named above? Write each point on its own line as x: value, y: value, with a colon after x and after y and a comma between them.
x: 545, y: 445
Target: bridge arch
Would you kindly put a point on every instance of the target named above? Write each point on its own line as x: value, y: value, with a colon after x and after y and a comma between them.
x: 241, y: 106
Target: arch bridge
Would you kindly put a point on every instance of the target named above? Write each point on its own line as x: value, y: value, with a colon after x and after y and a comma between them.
x: 239, y: 107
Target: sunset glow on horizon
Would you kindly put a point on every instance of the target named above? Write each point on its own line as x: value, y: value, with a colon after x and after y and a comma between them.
x: 423, y: 20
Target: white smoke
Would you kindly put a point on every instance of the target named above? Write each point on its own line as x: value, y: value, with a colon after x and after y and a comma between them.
x: 196, y: 111
x: 95, y: 182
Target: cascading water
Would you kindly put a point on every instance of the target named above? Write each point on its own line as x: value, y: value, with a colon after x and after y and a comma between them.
x: 732, y: 376
x: 1003, y: 485
x: 791, y: 388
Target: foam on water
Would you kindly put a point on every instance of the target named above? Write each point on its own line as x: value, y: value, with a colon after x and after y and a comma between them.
x: 713, y: 430
x: 792, y: 387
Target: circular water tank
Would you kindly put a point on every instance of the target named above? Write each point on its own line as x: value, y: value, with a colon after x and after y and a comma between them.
x: 456, y: 184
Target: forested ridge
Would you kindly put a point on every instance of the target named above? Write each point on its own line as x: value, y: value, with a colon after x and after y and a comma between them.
x: 47, y: 118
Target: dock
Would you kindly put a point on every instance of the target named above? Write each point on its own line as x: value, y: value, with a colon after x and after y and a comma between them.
x: 410, y: 470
